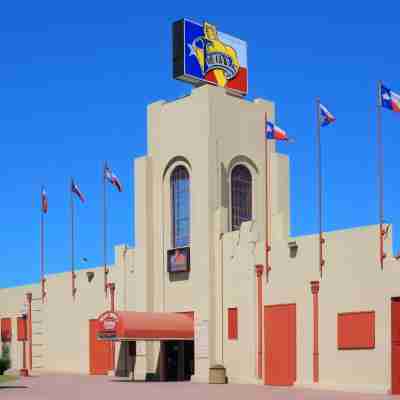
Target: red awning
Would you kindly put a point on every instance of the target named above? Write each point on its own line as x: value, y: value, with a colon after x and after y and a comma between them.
x: 133, y: 325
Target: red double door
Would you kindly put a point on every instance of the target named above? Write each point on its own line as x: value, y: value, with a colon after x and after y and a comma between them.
x: 280, y: 344
x: 100, y: 353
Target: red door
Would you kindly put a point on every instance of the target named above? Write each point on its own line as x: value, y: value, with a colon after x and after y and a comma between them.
x: 280, y: 344
x: 100, y: 361
x: 396, y: 345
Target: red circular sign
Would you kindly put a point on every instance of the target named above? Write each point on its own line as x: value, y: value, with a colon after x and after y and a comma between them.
x: 108, y: 322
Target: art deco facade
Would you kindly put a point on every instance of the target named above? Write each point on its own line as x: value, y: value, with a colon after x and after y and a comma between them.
x: 202, y: 186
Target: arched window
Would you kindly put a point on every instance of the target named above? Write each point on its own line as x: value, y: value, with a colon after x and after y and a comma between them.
x: 241, y: 195
x: 180, y: 207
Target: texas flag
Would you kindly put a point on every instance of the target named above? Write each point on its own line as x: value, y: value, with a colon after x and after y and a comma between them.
x: 273, y: 131
x: 325, y: 116
x: 75, y: 189
x: 45, y: 204
x: 112, y: 178
x: 389, y: 99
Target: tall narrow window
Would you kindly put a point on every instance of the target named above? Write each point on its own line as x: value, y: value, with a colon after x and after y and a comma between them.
x: 180, y: 211
x: 241, y: 196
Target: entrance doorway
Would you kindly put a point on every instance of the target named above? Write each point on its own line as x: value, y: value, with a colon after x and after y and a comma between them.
x: 178, y: 359
x: 188, y: 359
x: 280, y: 344
x: 395, y: 316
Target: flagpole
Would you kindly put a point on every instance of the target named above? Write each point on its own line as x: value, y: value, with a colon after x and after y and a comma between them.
x: 382, y: 254
x: 321, y: 239
x: 42, y: 280
x: 105, y: 228
x: 72, y: 240
x: 268, y: 207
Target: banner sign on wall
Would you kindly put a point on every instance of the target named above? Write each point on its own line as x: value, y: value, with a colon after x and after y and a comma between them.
x: 202, y: 54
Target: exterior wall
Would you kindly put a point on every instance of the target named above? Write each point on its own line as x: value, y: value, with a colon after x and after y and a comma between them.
x: 363, y: 287
x: 352, y: 281
x: 178, y: 132
x: 241, y: 252
x: 207, y: 132
x: 144, y: 251
x: 11, y: 306
x: 60, y: 326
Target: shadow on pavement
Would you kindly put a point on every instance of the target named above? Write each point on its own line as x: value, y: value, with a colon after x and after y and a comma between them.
x: 13, y: 387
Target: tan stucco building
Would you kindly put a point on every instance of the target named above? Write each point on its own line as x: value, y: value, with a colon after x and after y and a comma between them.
x: 262, y: 327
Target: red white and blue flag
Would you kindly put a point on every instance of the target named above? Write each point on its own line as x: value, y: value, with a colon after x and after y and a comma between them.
x: 44, y: 200
x: 273, y: 131
x: 390, y: 99
x: 325, y: 116
x: 75, y: 189
x: 112, y: 178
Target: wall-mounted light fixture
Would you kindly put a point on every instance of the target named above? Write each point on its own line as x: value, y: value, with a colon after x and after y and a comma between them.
x: 293, y: 247
x: 90, y: 276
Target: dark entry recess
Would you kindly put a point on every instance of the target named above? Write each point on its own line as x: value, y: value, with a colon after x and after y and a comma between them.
x: 179, y: 360
x: 189, y: 359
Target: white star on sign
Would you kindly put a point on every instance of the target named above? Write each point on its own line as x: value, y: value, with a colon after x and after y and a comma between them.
x: 191, y: 53
x: 385, y: 96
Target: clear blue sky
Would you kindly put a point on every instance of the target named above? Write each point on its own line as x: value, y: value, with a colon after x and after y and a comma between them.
x: 75, y: 79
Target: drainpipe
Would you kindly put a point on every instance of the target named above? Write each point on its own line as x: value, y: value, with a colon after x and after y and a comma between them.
x: 126, y: 345
x: 24, y: 371
x: 29, y: 331
x: 314, y: 291
x: 111, y: 286
x: 259, y: 272
x: 125, y: 277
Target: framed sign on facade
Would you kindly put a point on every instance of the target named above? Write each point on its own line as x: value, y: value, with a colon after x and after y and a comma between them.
x: 178, y: 260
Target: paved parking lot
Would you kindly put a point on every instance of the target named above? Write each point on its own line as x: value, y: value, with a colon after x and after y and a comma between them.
x: 76, y: 387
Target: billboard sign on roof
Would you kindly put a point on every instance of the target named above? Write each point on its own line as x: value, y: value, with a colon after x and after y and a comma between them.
x: 202, y: 54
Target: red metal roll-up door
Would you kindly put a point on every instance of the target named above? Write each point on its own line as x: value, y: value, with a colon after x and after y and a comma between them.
x: 280, y: 344
x: 395, y: 312
x: 100, y: 361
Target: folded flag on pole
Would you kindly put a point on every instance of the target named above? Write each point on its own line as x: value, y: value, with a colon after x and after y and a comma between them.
x: 112, y: 178
x: 390, y: 99
x: 75, y: 189
x: 45, y: 203
x: 273, y: 131
x: 325, y: 117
